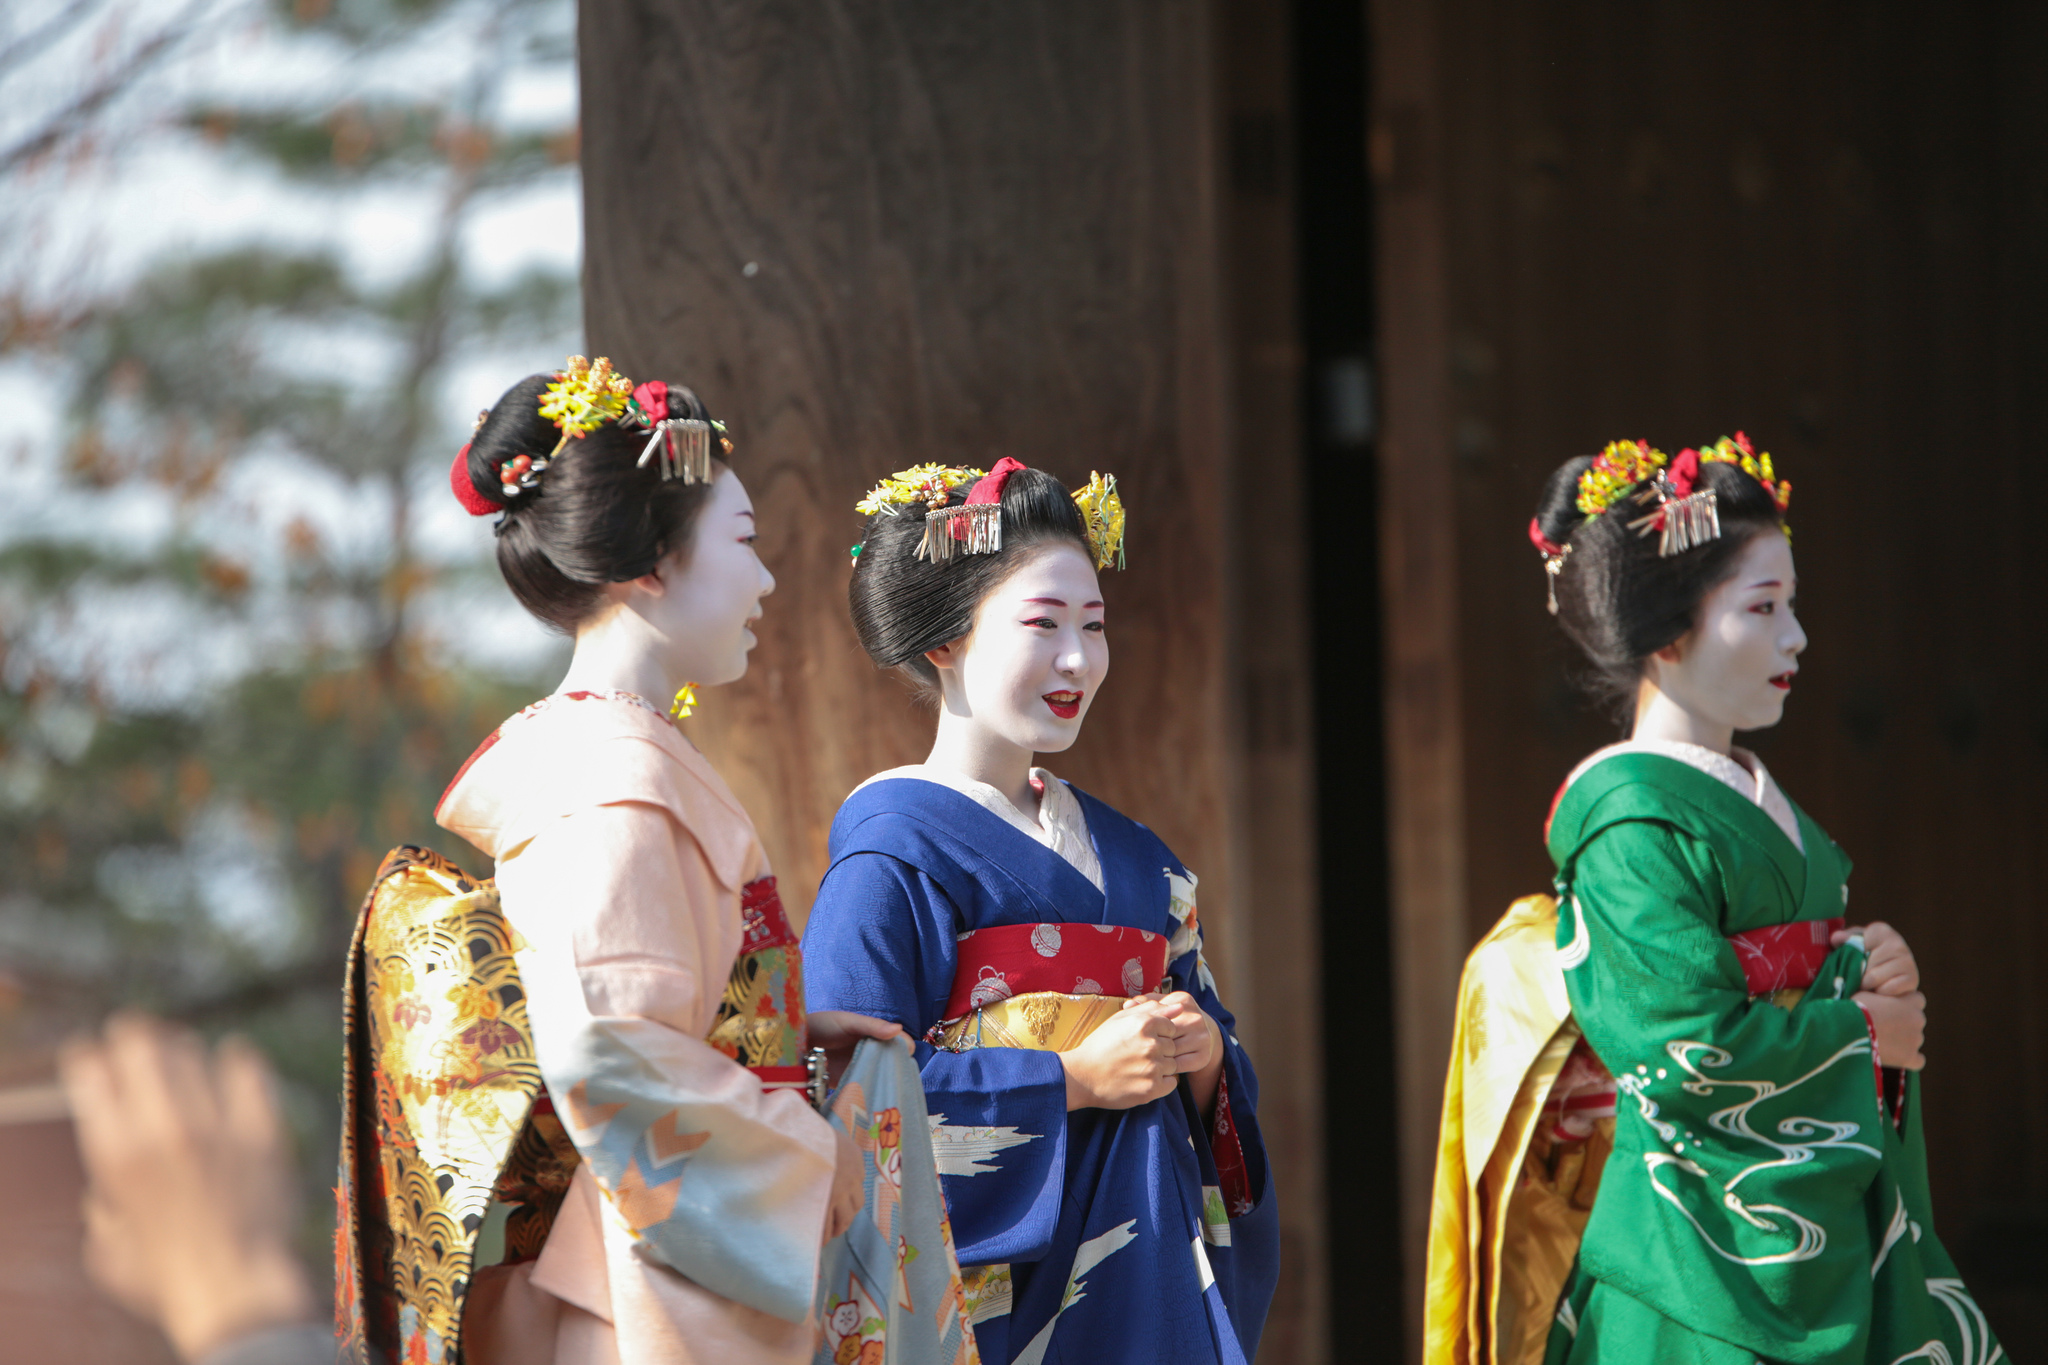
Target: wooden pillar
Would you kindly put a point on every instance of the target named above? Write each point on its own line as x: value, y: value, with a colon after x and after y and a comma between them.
x: 1277, y: 943
x: 879, y: 234
x: 1419, y: 590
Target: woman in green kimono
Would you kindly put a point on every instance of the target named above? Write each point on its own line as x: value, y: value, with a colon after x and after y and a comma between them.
x: 1766, y: 1196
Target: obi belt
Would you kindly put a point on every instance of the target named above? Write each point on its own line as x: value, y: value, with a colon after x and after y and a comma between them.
x: 1046, y: 987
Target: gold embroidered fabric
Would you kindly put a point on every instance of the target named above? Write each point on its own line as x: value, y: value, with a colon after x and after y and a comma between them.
x: 1510, y: 1202
x: 438, y: 1092
x: 1043, y: 1021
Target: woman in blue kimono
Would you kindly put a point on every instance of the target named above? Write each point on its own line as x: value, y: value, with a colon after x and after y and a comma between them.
x: 1095, y: 1120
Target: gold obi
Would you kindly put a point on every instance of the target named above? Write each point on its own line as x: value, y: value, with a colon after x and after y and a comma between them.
x: 1043, y: 1021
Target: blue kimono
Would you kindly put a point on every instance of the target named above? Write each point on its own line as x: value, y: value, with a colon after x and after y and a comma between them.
x: 1105, y: 1235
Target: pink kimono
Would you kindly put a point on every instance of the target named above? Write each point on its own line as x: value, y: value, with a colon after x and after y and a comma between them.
x: 621, y: 859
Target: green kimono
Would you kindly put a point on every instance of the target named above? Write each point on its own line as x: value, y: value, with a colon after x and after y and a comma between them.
x: 1760, y: 1203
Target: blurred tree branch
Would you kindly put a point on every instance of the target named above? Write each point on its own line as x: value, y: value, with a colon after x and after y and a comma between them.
x: 69, y: 119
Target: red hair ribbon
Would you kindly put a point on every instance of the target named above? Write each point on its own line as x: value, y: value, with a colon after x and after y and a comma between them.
x: 1684, y: 473
x: 473, y: 502
x: 987, y: 489
x: 1550, y: 548
x: 653, y: 400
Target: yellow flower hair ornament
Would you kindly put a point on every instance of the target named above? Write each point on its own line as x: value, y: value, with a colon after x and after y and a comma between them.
x: 584, y: 397
x: 1736, y: 450
x: 1102, y: 513
x: 1614, y: 471
x: 930, y: 484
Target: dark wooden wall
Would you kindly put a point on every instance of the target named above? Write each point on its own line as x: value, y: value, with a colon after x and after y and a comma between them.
x: 877, y: 234
x: 1821, y: 221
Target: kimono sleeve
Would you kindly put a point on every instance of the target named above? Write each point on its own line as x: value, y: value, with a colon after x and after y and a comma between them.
x: 881, y: 941
x: 718, y: 1180
x: 1236, y: 1147
x: 1744, y: 1099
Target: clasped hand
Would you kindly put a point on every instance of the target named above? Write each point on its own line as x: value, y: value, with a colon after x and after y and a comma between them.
x: 1891, y: 995
x: 1140, y: 1054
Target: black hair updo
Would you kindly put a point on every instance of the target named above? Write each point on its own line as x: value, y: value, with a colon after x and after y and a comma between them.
x: 592, y: 517
x: 903, y: 605
x: 1617, y: 598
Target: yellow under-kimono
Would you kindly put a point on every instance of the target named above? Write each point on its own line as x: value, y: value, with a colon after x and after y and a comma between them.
x: 1510, y: 1201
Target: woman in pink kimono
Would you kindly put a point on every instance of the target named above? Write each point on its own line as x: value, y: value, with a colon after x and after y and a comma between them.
x: 691, y: 1229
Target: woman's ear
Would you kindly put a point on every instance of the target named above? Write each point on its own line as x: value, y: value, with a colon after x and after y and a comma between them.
x: 943, y: 657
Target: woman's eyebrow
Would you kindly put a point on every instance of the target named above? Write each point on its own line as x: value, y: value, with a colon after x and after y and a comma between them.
x: 1047, y: 601
x: 1768, y: 583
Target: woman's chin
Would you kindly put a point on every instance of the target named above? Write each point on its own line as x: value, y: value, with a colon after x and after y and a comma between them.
x: 1055, y: 738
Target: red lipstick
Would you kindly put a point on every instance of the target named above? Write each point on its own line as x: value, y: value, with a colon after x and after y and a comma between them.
x: 1065, y: 705
x: 1783, y: 682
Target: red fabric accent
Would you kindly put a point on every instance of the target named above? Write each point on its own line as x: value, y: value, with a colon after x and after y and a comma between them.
x: 653, y: 399
x: 1684, y: 472
x: 467, y: 764
x: 1228, y: 1153
x: 1555, y: 801
x: 473, y: 502
x: 1583, y: 1091
x: 1550, y: 548
x: 766, y: 925
x: 1784, y: 955
x: 989, y: 487
x: 1073, y: 959
x: 1876, y: 1062
x: 779, y: 1076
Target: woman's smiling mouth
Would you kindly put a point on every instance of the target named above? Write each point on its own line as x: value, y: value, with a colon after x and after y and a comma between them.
x: 1065, y: 705
x: 1783, y: 682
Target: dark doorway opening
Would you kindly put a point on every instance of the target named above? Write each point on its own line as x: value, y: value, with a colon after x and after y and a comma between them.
x: 1341, y: 421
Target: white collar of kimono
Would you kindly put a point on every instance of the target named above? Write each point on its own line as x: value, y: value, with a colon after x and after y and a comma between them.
x: 1061, y: 826
x: 1742, y: 771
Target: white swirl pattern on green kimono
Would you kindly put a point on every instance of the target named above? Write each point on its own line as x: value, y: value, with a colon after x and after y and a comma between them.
x: 1735, y: 1122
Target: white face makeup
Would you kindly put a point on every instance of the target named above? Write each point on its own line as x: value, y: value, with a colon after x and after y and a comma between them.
x: 1734, y: 668
x: 1027, y: 673
x: 712, y: 590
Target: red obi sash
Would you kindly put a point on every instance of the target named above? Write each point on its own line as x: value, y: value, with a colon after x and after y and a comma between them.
x: 1070, y: 959
x: 1784, y: 956
x: 1017, y: 961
